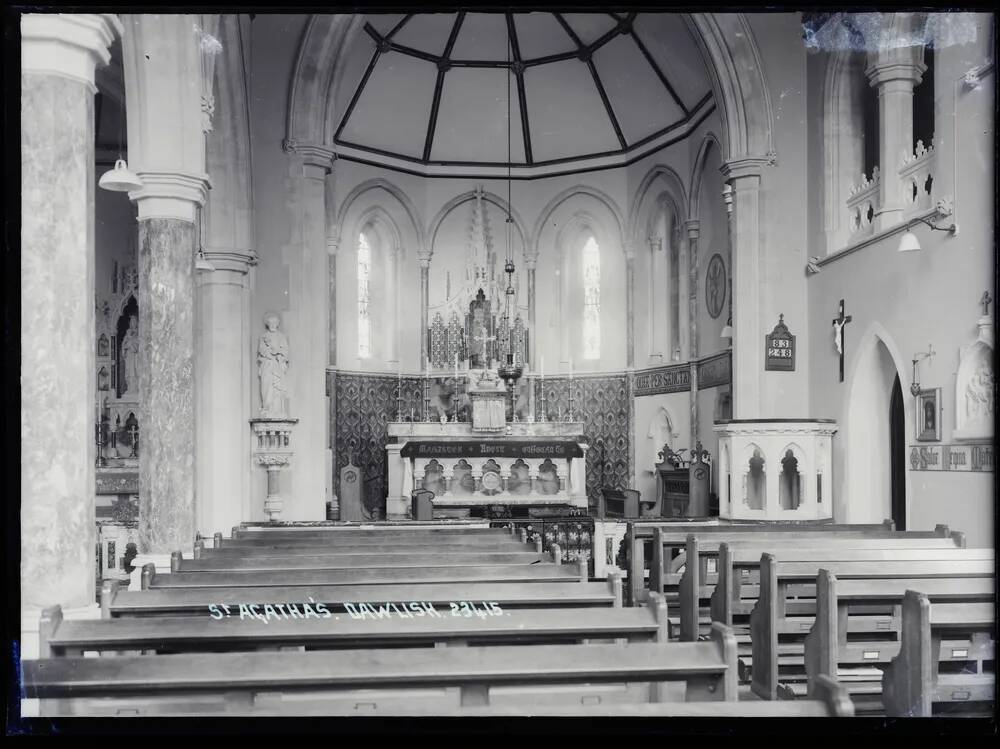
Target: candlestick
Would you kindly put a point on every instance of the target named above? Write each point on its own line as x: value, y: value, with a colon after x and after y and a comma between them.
x: 541, y: 369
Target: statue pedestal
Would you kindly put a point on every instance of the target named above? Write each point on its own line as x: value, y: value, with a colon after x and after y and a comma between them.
x: 775, y: 469
x: 273, y: 452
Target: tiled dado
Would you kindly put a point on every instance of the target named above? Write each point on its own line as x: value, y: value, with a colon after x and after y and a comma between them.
x: 952, y: 458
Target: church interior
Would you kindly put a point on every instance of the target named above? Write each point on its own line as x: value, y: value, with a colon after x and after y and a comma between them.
x: 668, y: 338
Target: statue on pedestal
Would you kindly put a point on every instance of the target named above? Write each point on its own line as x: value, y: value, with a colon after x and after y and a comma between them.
x: 272, y: 366
x: 130, y: 357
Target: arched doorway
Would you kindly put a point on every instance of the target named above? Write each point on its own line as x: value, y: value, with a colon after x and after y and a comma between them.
x: 874, y: 455
x: 897, y: 455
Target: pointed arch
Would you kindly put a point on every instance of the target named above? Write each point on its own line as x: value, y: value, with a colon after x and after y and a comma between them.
x: 568, y: 193
x: 863, y: 460
x: 698, y: 171
x: 673, y: 186
x: 401, y: 198
x: 489, y: 197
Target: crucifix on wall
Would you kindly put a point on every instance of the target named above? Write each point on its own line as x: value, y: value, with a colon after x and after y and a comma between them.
x: 838, y: 335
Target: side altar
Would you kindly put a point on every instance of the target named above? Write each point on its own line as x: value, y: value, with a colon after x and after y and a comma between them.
x: 528, y: 469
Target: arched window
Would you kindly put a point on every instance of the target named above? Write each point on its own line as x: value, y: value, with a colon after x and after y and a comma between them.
x: 591, y: 300
x: 364, y: 297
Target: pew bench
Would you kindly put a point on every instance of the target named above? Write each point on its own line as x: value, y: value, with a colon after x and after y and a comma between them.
x: 738, y: 563
x: 673, y: 536
x: 376, y: 626
x: 870, y: 586
x: 196, y: 601
x: 351, y: 681
x: 292, y: 572
x: 962, y: 637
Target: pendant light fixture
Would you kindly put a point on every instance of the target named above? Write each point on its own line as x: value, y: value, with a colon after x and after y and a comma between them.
x: 510, y: 370
x: 120, y: 178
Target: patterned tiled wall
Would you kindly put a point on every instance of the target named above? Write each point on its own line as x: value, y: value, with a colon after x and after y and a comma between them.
x: 364, y: 405
x: 601, y: 402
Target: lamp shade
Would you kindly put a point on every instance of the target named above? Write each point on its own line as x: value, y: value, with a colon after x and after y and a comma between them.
x: 908, y: 242
x: 120, y: 179
x: 727, y: 332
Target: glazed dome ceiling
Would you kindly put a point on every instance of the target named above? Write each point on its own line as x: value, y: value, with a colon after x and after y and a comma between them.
x: 429, y: 92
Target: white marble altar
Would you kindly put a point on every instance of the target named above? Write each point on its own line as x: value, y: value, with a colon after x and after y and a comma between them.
x: 488, y: 467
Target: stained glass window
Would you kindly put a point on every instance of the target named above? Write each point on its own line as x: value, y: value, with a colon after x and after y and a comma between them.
x: 364, y: 297
x: 591, y: 300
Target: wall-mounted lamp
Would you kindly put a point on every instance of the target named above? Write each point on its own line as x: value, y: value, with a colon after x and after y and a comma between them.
x: 915, y: 384
x: 909, y: 242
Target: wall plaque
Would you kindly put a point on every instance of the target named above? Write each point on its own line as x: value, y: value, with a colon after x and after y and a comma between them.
x: 779, y: 348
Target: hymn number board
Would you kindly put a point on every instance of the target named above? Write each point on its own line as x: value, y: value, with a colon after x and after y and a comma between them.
x: 779, y: 348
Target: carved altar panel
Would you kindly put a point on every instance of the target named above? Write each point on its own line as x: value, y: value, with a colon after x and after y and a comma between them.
x: 975, y: 394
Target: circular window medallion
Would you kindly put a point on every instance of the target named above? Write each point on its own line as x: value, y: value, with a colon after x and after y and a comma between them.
x: 715, y: 285
x: 491, y: 481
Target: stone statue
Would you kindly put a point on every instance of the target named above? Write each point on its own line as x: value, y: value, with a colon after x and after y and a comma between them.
x: 129, y: 353
x: 272, y: 365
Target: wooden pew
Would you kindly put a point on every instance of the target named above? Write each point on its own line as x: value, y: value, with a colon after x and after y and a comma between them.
x: 640, y: 533
x: 735, y: 591
x: 330, y: 561
x: 663, y: 541
x: 955, y: 580
x: 381, y: 625
x: 196, y: 601
x: 832, y: 701
x: 961, y: 632
x: 389, y: 571
x: 336, y: 682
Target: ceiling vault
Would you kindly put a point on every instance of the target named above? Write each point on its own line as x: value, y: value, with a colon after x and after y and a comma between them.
x: 518, y: 68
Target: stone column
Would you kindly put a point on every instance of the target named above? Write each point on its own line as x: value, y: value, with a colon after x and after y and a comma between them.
x: 629, y: 303
x: 659, y: 303
x: 225, y: 388
x: 747, y: 259
x: 693, y: 232
x: 894, y: 72
x: 424, y: 258
x: 307, y: 325
x: 59, y: 54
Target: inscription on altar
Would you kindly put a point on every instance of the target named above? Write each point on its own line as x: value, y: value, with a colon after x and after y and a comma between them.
x: 492, y: 449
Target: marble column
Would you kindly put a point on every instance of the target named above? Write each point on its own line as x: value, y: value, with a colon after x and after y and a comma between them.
x: 166, y: 380
x: 629, y: 304
x: 747, y: 260
x: 225, y: 388
x: 59, y: 54
x: 660, y: 313
x: 894, y: 73
x: 693, y: 232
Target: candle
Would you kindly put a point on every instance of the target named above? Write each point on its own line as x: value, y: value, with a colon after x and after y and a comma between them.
x: 542, y: 368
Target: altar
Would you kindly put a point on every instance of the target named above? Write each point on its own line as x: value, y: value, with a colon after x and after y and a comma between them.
x: 528, y: 469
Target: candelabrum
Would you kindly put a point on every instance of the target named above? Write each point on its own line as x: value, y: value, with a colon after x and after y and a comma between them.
x: 101, y: 439
x: 569, y: 416
x: 545, y: 412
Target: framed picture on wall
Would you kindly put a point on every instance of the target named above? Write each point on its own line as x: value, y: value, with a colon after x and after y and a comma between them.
x: 928, y: 412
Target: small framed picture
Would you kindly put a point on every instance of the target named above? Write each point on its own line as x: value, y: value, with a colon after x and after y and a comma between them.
x: 929, y: 415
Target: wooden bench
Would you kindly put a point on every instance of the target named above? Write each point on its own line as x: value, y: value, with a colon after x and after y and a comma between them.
x: 736, y: 578
x: 665, y: 578
x: 378, y: 625
x: 390, y: 570
x: 196, y: 601
x: 674, y: 534
x: 338, y: 682
x: 956, y: 580
x: 832, y: 701
x: 961, y: 632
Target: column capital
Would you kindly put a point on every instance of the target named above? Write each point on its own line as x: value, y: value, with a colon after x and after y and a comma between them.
x: 746, y: 168
x: 170, y: 194
x: 629, y: 249
x: 424, y: 258
x: 234, y: 260
x: 655, y: 244
x: 70, y: 45
x: 693, y: 227
x: 881, y: 72
x: 312, y: 154
x: 531, y: 260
